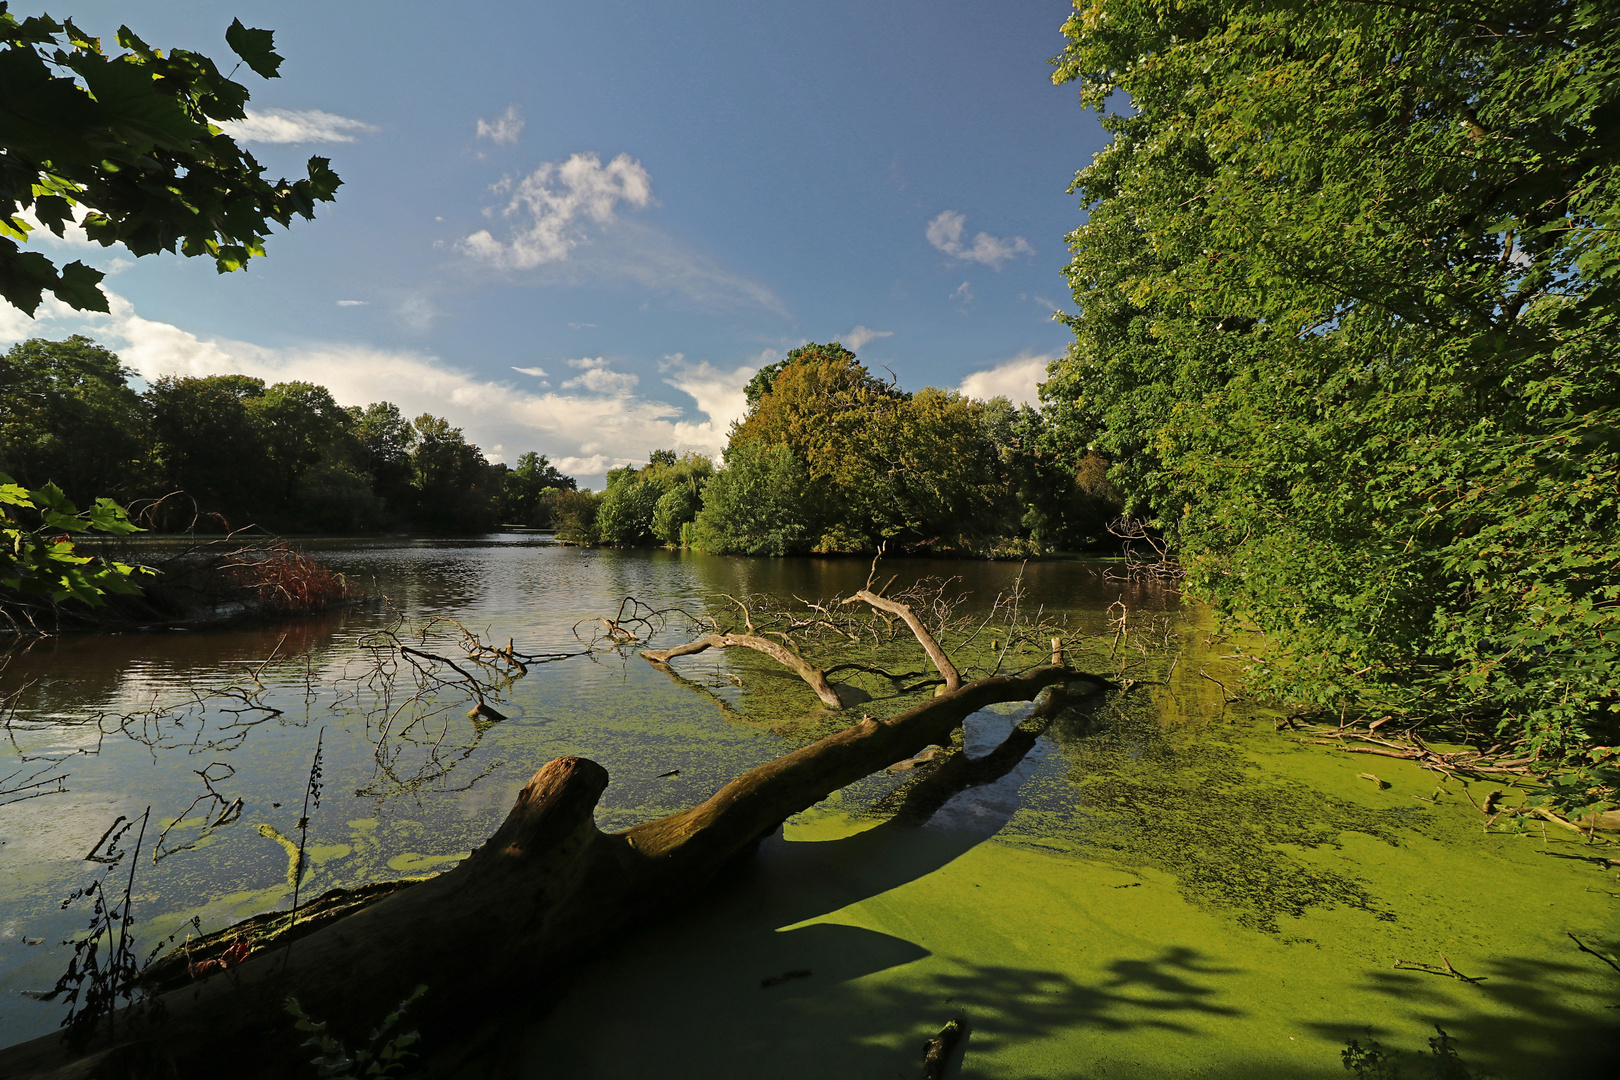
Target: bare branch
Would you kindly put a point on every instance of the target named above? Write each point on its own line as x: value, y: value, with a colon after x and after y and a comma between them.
x: 953, y: 679
x: 812, y: 675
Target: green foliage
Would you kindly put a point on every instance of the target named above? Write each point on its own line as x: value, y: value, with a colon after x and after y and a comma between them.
x: 132, y: 139
x: 653, y: 502
x: 285, y: 456
x: 675, y: 510
x: 755, y: 505
x: 39, y: 560
x: 454, y: 483
x: 68, y: 416
x: 385, y: 1053
x: 625, y: 517
x: 524, y: 489
x: 1348, y: 334
x: 764, y: 379
x: 1373, y: 1062
x: 573, y: 515
x: 927, y: 471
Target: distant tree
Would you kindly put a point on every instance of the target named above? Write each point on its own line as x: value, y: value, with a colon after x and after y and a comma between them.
x: 756, y: 504
x: 300, y: 426
x: 764, y: 379
x: 205, y: 444
x: 630, y: 509
x: 133, y: 141
x: 68, y: 416
x: 573, y: 514
x: 524, y: 488
x: 387, y: 441
x: 455, y: 488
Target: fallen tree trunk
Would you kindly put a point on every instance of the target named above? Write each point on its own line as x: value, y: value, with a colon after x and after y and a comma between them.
x: 545, y: 889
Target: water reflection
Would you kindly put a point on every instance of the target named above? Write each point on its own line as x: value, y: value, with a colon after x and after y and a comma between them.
x: 103, y: 725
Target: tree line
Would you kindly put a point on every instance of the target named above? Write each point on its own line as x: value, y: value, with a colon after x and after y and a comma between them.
x: 831, y: 459
x: 284, y: 456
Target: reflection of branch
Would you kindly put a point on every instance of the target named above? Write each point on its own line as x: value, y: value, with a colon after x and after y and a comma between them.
x: 726, y: 708
x: 229, y: 811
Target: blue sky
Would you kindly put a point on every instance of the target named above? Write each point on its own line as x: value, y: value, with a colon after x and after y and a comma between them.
x: 578, y: 228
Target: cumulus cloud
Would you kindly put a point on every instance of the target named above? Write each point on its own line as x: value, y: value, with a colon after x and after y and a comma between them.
x: 295, y: 126
x: 351, y: 303
x: 861, y: 335
x: 550, y: 206
x: 504, y: 129
x: 1018, y: 380
x: 718, y: 393
x: 539, y: 373
x: 585, y: 433
x: 945, y: 233
x: 595, y: 375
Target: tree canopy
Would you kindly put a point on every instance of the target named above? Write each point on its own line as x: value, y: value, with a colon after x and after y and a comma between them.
x: 1348, y: 333
x: 132, y: 141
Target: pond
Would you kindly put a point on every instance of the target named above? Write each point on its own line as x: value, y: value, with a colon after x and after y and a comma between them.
x: 1164, y: 885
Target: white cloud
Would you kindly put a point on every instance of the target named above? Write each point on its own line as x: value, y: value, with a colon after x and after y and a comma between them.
x: 15, y: 326
x: 352, y: 303
x: 566, y: 230
x: 596, y: 376
x: 962, y: 294
x: 295, y: 126
x: 550, y: 206
x: 581, y: 325
x: 73, y: 234
x: 585, y: 433
x: 1017, y: 380
x: 861, y: 335
x: 945, y: 233
x: 504, y: 129
x: 538, y: 373
x: 718, y: 393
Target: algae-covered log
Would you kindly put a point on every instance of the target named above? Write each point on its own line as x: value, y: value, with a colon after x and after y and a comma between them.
x: 545, y: 889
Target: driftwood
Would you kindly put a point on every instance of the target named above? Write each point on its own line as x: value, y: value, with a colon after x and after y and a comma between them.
x: 541, y: 893
x: 812, y: 676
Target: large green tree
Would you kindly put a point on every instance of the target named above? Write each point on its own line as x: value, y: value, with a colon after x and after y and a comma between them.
x: 1348, y: 331
x: 132, y: 142
x: 68, y: 416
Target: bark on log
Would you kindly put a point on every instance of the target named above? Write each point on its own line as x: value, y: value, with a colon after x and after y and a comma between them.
x: 544, y: 890
x: 773, y: 649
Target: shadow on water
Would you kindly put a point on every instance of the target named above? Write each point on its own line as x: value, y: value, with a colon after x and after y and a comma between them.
x: 743, y: 991
x: 1556, y: 1001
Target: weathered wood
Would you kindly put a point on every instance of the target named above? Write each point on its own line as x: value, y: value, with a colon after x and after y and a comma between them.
x: 773, y: 649
x: 545, y: 889
x: 953, y: 678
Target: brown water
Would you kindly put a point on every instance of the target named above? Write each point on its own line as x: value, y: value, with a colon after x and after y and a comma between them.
x: 1221, y: 860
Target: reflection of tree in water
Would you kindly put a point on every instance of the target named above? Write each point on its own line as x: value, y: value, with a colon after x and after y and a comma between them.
x: 415, y: 701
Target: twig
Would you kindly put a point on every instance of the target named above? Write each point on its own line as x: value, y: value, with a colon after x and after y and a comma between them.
x: 1579, y: 945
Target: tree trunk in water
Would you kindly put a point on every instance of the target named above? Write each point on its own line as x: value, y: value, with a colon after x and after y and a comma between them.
x: 544, y: 890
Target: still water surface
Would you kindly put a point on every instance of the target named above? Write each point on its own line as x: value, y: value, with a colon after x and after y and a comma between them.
x: 1168, y: 829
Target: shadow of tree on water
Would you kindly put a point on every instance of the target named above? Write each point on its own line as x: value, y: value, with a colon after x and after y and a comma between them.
x: 720, y: 990
x: 1521, y: 1009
